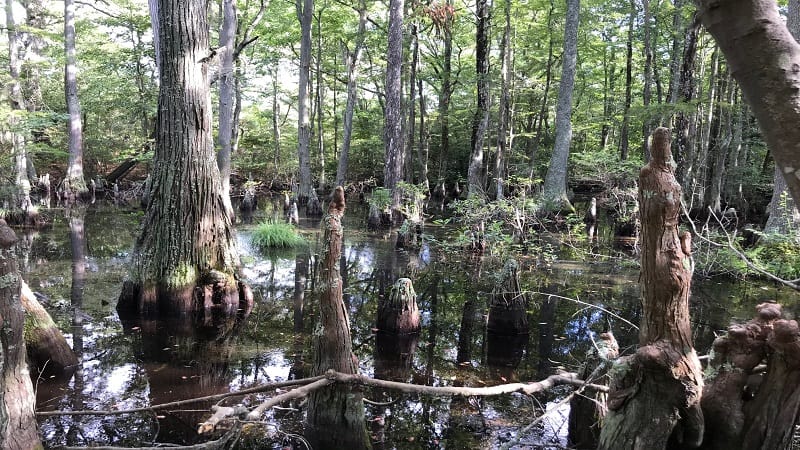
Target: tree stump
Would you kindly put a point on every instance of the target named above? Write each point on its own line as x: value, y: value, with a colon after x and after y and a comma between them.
x: 313, y: 206
x: 587, y: 411
x: 749, y: 405
x: 655, y: 393
x: 508, y: 307
x: 335, y: 417
x: 293, y: 215
x: 399, y: 312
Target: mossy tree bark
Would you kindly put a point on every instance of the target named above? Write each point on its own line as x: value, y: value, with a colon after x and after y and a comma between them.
x: 335, y: 417
x: 655, y: 398
x: 185, y: 258
x: 17, y: 421
x: 399, y: 313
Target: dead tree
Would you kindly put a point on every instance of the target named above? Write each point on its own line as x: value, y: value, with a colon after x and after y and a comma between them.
x: 655, y: 393
x: 335, y: 417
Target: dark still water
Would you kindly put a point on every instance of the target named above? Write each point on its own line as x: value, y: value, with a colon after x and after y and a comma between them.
x: 131, y: 365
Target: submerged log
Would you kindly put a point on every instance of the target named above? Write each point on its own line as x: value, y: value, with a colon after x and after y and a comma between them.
x: 335, y: 417
x: 49, y: 354
x: 656, y: 392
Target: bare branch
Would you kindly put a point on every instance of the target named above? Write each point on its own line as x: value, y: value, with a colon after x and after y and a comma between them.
x: 731, y: 245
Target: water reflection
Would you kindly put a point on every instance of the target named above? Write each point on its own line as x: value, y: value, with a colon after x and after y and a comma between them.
x: 137, y: 364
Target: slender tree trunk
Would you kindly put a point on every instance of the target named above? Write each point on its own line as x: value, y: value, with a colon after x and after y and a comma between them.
x: 22, y: 199
x: 352, y: 59
x: 412, y: 103
x: 647, y: 93
x: 555, y: 183
x: 74, y: 184
x: 660, y: 386
x: 480, y: 121
x: 305, y: 12
x: 335, y: 417
x: 719, y: 148
x: 762, y: 55
x: 318, y: 100
x: 685, y: 121
x: 17, y: 421
x: 424, y: 141
x: 227, y: 96
x: 675, y: 55
x: 543, y: 109
x: 444, y: 96
x: 624, y: 135
x: 185, y: 258
x: 504, y: 124
x: 393, y: 121
x: 276, y: 129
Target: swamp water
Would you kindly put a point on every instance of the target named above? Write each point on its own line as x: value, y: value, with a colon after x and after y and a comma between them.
x: 131, y: 365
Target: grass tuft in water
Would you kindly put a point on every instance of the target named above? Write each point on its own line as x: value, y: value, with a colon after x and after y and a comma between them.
x: 271, y: 234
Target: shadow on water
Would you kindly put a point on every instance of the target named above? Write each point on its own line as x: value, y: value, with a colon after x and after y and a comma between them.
x: 138, y: 363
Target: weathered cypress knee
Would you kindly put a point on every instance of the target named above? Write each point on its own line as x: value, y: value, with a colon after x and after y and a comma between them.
x: 508, y: 308
x: 399, y: 313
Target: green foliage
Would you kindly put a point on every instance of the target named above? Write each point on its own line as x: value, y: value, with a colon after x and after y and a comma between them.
x: 271, y: 234
x: 778, y: 254
x: 380, y: 198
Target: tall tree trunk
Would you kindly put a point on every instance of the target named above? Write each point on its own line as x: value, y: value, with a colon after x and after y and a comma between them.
x: 423, y: 143
x: 227, y: 98
x: 624, y: 135
x: 784, y: 217
x: 533, y: 151
x: 393, y: 122
x: 503, y: 139
x: 762, y: 55
x: 335, y: 417
x: 716, y: 161
x: 480, y: 121
x: 187, y: 239
x: 660, y: 386
x: 445, y: 93
x: 276, y: 113
x: 17, y: 421
x: 647, y: 93
x: 675, y: 55
x: 318, y: 101
x: 22, y: 200
x: 411, y: 104
x: 74, y: 184
x: 685, y: 121
x: 352, y: 61
x: 305, y: 11
x: 555, y: 183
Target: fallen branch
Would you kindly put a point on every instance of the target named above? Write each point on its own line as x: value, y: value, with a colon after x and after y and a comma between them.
x: 568, y: 378
x: 302, y: 391
x: 209, y: 445
x: 209, y: 398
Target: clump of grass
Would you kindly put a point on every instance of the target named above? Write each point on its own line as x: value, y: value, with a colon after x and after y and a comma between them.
x: 276, y: 235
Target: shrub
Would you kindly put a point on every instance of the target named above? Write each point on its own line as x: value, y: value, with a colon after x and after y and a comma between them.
x: 276, y: 235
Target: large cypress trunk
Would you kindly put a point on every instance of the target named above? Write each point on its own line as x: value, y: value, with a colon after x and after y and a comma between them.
x: 17, y: 422
x: 654, y: 401
x: 335, y: 417
x: 185, y: 258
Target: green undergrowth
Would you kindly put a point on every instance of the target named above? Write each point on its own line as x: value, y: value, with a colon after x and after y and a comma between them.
x: 270, y: 234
